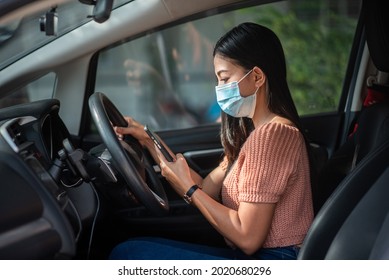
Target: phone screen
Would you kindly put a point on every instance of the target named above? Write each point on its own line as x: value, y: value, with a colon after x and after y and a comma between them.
x: 160, y: 146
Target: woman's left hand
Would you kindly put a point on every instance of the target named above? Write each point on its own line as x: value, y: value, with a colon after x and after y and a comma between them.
x: 177, y: 173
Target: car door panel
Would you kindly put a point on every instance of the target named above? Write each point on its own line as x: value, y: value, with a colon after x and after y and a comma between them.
x: 200, y: 146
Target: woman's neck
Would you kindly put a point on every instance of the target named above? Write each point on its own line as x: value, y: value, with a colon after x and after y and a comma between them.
x: 263, y: 117
x: 262, y: 114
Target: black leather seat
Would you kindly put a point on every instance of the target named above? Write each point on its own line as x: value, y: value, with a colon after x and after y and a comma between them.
x: 373, y: 130
x: 380, y: 250
x: 360, y: 232
x: 330, y: 219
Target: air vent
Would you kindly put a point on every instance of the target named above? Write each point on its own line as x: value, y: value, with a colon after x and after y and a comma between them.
x: 12, y: 132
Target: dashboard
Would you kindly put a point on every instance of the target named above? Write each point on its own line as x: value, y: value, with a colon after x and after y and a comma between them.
x: 37, y: 209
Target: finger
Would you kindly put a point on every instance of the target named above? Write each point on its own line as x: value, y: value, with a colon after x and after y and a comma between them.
x: 180, y: 156
x: 123, y: 130
x: 118, y: 134
x: 129, y: 121
x: 117, y: 130
x: 132, y: 122
x: 160, y: 156
x: 162, y: 166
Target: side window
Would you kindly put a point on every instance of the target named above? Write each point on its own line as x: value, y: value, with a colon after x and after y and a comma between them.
x: 39, y: 89
x: 166, y: 79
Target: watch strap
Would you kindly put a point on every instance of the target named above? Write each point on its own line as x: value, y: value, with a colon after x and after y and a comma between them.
x: 188, y: 195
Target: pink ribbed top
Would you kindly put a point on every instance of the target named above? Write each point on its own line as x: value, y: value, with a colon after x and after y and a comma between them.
x: 273, y: 167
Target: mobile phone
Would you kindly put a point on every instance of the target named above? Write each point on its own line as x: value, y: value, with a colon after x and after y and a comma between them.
x: 160, y: 146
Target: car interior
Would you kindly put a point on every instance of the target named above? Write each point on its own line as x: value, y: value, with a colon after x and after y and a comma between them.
x: 71, y: 189
x: 355, y: 201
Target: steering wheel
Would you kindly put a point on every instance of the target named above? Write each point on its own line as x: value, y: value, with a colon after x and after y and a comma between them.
x: 105, y: 115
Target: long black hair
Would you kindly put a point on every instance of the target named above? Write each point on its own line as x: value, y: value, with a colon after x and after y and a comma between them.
x: 249, y: 45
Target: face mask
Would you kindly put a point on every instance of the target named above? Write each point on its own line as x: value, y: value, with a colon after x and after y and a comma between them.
x: 232, y: 103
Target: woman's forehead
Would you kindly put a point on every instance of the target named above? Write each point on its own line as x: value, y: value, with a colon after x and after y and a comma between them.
x: 224, y: 64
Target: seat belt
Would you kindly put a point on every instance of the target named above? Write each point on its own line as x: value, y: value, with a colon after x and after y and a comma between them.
x: 355, y: 156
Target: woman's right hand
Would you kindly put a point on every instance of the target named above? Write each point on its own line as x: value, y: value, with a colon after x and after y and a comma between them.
x: 134, y: 129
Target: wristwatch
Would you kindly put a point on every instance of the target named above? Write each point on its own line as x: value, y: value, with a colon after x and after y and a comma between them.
x: 188, y: 196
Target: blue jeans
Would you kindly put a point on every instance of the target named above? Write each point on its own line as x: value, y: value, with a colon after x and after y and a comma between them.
x: 164, y: 249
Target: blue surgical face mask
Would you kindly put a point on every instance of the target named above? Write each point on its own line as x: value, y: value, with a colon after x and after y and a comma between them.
x: 232, y: 103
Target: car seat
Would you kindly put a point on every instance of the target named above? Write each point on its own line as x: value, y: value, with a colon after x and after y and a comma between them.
x: 359, y: 236
x: 365, y: 164
x: 341, y: 203
x: 373, y: 130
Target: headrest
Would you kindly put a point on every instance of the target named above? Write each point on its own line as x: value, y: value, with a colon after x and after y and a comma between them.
x: 377, y: 32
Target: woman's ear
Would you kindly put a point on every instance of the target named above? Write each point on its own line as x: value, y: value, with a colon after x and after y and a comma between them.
x: 260, y: 77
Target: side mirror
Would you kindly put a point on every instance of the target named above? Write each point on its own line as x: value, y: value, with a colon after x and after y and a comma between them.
x: 102, y: 9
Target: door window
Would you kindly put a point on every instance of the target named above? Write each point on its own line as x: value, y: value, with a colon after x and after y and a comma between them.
x: 166, y: 79
x: 41, y: 88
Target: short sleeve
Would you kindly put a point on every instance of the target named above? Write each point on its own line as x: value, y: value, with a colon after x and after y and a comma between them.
x: 270, y: 156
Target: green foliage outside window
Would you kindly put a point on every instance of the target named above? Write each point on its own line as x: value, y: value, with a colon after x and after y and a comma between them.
x: 317, y: 48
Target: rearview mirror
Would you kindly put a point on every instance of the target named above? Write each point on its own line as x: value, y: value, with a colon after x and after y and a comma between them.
x: 102, y: 9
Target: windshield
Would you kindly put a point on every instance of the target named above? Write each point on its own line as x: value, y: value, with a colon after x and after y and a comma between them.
x: 24, y: 36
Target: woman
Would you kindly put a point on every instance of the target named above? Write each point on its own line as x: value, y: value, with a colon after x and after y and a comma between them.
x: 259, y: 197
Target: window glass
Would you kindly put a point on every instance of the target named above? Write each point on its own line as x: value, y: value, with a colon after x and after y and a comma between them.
x: 39, y: 89
x: 23, y: 36
x: 166, y: 79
